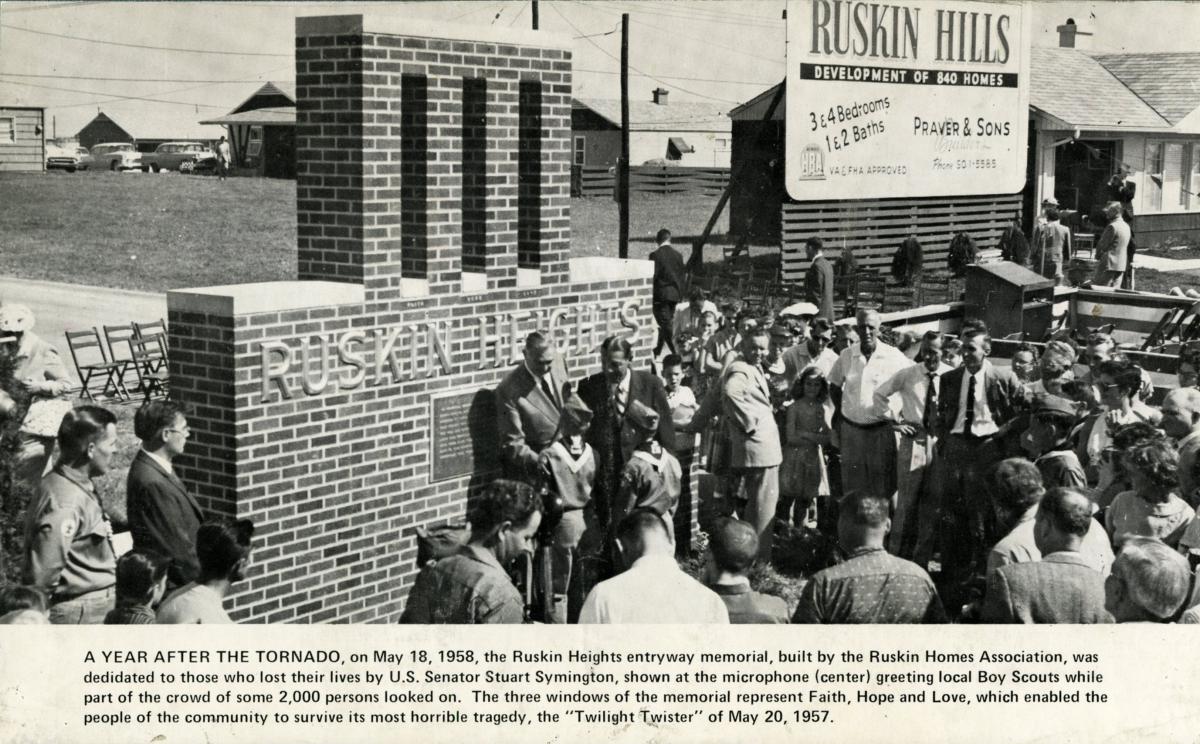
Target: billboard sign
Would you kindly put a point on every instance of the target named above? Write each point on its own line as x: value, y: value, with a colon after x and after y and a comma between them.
x: 920, y: 98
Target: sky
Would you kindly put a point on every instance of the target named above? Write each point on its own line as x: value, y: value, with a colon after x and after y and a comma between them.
x: 158, y: 68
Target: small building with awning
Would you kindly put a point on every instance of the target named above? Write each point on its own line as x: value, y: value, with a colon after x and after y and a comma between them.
x: 1089, y: 115
x: 262, y: 132
x: 687, y: 133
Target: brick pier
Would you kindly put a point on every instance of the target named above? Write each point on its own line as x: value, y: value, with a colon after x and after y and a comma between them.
x: 342, y: 410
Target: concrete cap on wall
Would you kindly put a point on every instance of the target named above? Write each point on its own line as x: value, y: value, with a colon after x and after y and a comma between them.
x: 263, y: 297
x: 377, y: 23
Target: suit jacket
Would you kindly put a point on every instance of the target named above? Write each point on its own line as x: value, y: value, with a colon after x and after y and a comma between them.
x: 818, y: 287
x: 1060, y: 588
x: 1112, y: 250
x: 526, y: 418
x: 670, y: 274
x: 753, y: 433
x: 643, y: 387
x: 1006, y: 396
x: 163, y: 517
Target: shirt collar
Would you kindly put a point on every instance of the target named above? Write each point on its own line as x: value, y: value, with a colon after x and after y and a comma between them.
x: 655, y: 561
x: 864, y: 550
x: 741, y: 587
x: 483, y: 555
x: 533, y: 374
x: 623, y: 385
x: 162, y: 461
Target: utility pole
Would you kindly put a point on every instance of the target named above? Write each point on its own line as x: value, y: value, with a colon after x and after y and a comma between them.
x: 623, y: 165
x: 535, y: 15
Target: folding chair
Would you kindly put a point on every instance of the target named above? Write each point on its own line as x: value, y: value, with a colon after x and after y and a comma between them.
x: 153, y: 328
x: 151, y: 364
x: 120, y: 351
x: 79, y: 342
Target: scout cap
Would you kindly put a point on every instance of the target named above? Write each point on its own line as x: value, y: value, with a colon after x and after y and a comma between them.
x: 643, y: 416
x: 15, y: 318
x: 576, y: 412
x: 1055, y: 405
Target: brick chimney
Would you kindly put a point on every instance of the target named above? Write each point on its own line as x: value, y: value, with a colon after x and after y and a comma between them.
x: 1070, y: 37
x: 660, y: 96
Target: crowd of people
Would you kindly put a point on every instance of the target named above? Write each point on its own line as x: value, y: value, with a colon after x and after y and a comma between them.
x: 955, y: 488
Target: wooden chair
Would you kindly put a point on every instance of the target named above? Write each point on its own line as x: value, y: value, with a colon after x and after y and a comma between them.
x: 120, y: 351
x: 150, y: 361
x: 80, y: 344
x: 156, y: 328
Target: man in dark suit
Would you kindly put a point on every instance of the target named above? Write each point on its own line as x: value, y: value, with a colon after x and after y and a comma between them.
x: 818, y: 282
x: 977, y: 409
x: 670, y: 280
x: 529, y: 402
x: 1064, y: 586
x: 163, y: 515
x: 612, y: 435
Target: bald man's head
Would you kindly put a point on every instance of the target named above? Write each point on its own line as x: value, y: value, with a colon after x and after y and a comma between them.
x: 1181, y: 412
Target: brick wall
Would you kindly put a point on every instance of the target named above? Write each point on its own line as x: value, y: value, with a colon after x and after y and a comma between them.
x: 333, y: 462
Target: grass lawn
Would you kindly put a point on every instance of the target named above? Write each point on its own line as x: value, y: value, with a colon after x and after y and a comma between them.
x: 162, y: 231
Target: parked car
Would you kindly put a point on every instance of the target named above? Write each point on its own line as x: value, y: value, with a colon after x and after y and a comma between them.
x: 184, y: 157
x: 114, y: 156
x: 64, y: 158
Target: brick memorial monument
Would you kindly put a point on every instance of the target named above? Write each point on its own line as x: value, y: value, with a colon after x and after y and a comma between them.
x: 345, y: 409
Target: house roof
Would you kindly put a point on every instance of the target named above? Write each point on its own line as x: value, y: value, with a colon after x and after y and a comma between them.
x: 647, y: 116
x: 276, y: 116
x: 1074, y: 87
x: 160, y: 125
x: 1085, y: 91
x: 1168, y: 81
x: 270, y: 95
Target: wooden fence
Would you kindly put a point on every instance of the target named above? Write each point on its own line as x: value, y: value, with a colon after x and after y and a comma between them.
x: 649, y: 179
x: 874, y: 229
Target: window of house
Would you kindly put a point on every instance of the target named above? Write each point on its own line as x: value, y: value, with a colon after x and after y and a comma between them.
x: 580, y: 150
x: 254, y: 148
x: 1191, y: 177
x: 1155, y: 152
x: 1173, y: 196
x: 722, y: 144
x: 8, y: 130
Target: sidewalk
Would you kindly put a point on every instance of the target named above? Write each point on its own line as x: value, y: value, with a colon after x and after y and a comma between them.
x: 60, y: 307
x: 1158, y: 263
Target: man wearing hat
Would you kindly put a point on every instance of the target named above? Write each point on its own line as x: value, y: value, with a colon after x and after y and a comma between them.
x: 41, y: 372
x: 1112, y: 250
x: 569, y: 469
x: 812, y: 350
x: 1049, y: 436
x: 1052, y: 247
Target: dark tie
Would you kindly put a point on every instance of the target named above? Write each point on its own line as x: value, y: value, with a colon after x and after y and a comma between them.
x: 548, y: 391
x: 618, y: 405
x: 969, y: 418
x: 930, y: 402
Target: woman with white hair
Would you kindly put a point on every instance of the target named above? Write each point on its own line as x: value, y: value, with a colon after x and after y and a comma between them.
x: 41, y: 374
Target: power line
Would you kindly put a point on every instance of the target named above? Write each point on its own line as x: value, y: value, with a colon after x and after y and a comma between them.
x: 708, y: 42
x: 680, y: 77
x: 672, y: 33
x: 695, y: 14
x: 631, y: 67
x: 131, y: 80
x: 143, y: 46
x: 113, y: 97
x: 28, y: 8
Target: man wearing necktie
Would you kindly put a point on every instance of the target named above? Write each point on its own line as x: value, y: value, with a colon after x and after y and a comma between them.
x: 609, y: 393
x: 755, y: 452
x: 163, y: 516
x: 977, y: 407
x: 528, y: 406
x: 915, y: 512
